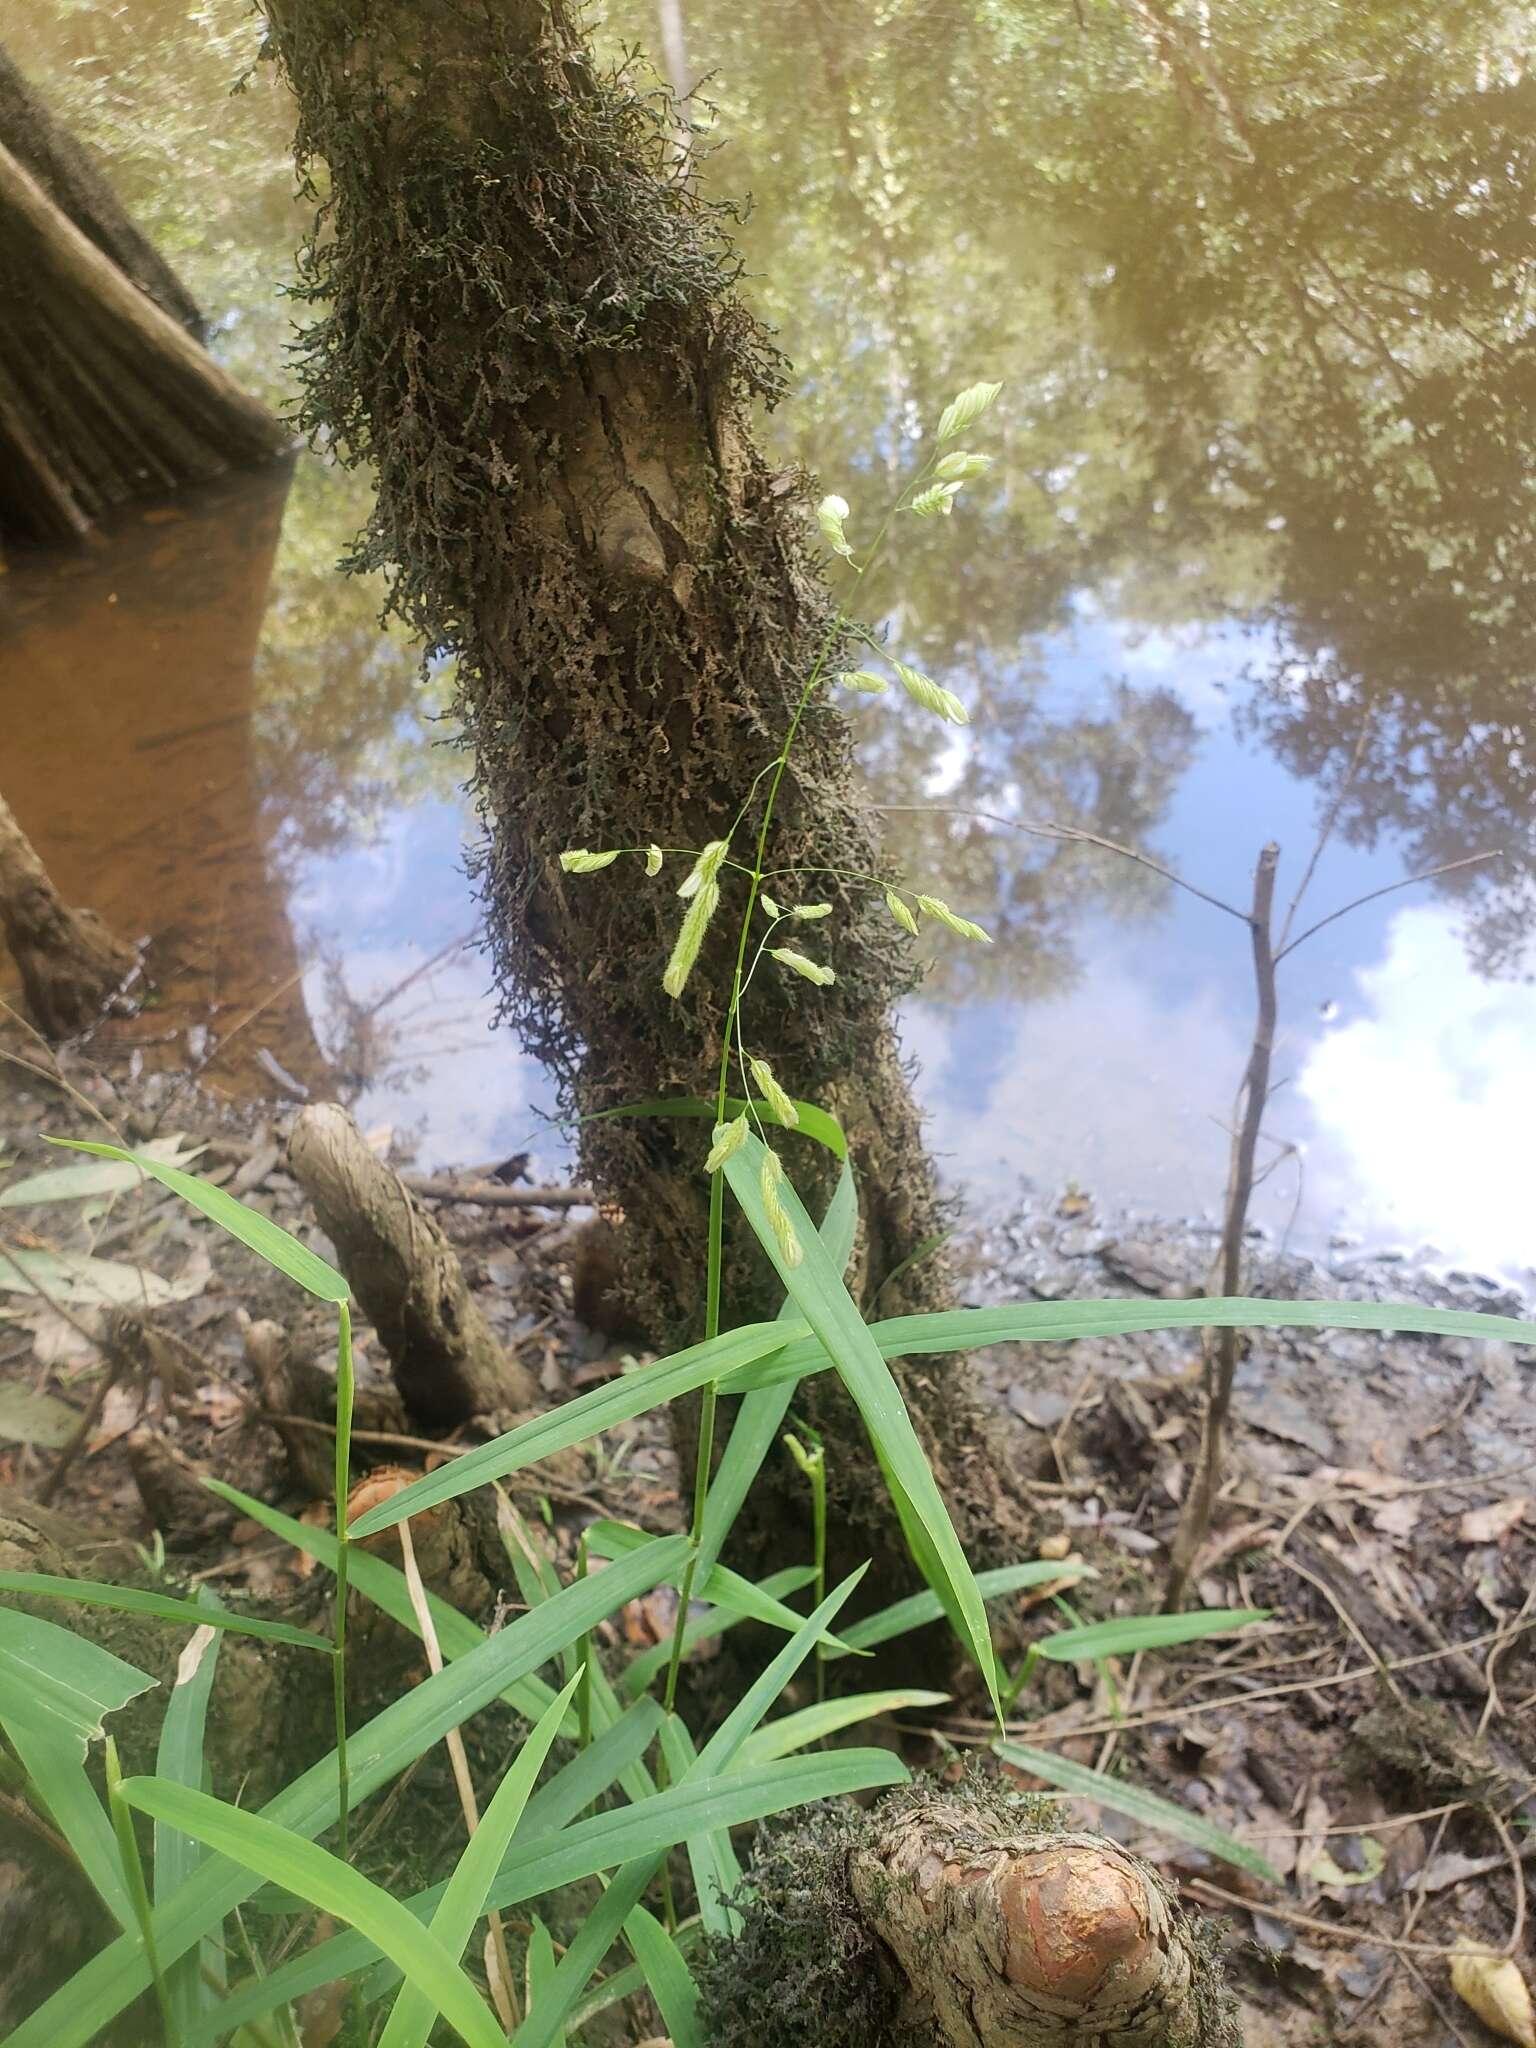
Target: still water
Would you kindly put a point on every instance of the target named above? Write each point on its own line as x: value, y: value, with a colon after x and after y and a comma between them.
x: 1255, y: 562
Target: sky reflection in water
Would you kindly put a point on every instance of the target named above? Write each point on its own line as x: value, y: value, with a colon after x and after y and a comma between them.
x: 1263, y: 460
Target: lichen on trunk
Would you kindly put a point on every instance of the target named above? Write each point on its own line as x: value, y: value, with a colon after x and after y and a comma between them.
x: 528, y: 326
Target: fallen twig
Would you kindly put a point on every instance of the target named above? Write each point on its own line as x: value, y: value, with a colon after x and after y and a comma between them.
x: 492, y: 1194
x: 1348, y: 1930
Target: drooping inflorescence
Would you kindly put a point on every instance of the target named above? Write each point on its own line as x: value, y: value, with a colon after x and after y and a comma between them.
x: 932, y: 492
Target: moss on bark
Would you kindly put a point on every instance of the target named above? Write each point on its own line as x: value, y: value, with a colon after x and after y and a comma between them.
x: 527, y: 323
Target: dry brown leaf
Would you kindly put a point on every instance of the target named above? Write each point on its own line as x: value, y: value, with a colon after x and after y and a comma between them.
x: 1397, y: 1517
x: 1490, y: 1524
x: 1495, y: 1990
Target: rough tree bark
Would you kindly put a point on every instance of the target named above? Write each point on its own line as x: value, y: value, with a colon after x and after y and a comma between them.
x: 962, y: 1918
x: 68, y: 961
x: 530, y: 331
x: 446, y: 1361
x: 73, y: 178
x: 103, y: 396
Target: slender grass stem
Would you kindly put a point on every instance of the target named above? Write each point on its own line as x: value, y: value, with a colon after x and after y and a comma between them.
x: 138, y: 1891
x: 584, y: 1690
x: 837, y: 628
x: 345, y: 1391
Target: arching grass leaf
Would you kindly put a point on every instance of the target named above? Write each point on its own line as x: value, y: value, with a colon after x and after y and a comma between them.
x: 1146, y: 1807
x: 266, y: 1238
x: 160, y: 1606
x: 1126, y: 1635
x: 300, y: 1866
x: 668, y: 1976
x: 816, y: 1287
x: 651, y: 1387
x: 463, y: 1899
x: 59, y: 1684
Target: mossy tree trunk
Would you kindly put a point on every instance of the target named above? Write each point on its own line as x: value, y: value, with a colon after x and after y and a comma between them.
x: 104, y: 396
x: 529, y: 329
x: 68, y: 961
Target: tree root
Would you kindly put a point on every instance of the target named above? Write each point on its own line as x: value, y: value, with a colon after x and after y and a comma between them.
x: 960, y: 1917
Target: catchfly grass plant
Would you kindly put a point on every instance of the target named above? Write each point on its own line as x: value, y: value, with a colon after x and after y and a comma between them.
x: 609, y: 1779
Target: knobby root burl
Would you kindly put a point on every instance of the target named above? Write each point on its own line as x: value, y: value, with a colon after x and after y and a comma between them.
x: 961, y: 1917
x: 1015, y: 1938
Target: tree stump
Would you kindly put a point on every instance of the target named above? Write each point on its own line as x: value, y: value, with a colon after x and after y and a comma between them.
x: 68, y: 961
x: 446, y: 1361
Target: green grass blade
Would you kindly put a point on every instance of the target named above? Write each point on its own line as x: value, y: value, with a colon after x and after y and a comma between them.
x: 814, y: 1724
x: 698, y: 1807
x: 463, y: 1899
x: 160, y: 1606
x: 720, y: 1586
x: 651, y: 1387
x: 179, y: 1761
x: 58, y: 1684
x: 303, y: 1867
x: 760, y: 1695
x: 638, y: 1834
x: 642, y: 1671
x: 817, y: 1289
x: 384, y: 1584
x: 546, y: 2021
x: 621, y: 1984
x: 264, y: 1237
x: 1059, y: 1322
x: 541, y: 1970
x: 668, y: 1976
x: 83, y: 1183
x: 711, y: 1858
x: 1146, y: 1807
x: 554, y: 1806
x: 138, y: 1891
x: 716, y: 1871
x: 760, y: 1416
x: 919, y: 1609
x: 1124, y: 1637
x: 59, y: 1783
x: 379, y: 1751
x: 592, y: 1770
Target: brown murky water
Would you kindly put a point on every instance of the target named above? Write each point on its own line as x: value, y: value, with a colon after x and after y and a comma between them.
x: 1256, y: 561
